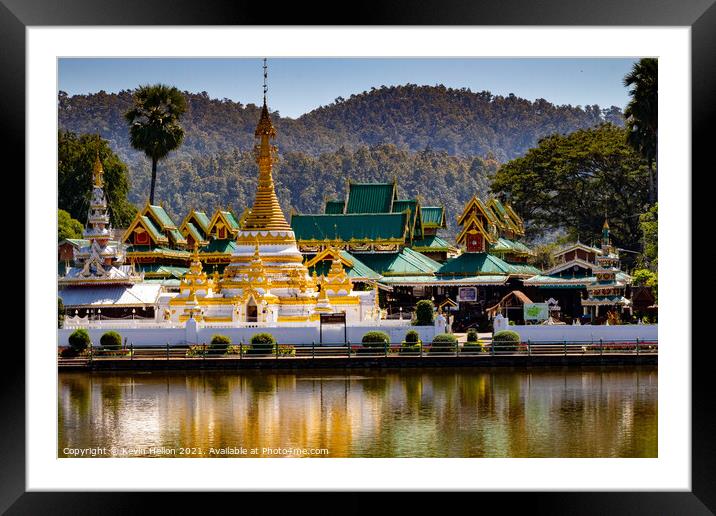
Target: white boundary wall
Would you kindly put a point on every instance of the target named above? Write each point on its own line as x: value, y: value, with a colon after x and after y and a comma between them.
x: 571, y: 333
x: 283, y: 334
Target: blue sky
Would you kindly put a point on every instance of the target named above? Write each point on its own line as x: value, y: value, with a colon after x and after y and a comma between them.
x: 298, y: 85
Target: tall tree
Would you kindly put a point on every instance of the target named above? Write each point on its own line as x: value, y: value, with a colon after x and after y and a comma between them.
x: 76, y: 156
x: 642, y: 114
x: 571, y: 182
x: 154, y: 123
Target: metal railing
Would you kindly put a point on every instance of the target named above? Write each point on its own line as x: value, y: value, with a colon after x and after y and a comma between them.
x: 349, y: 350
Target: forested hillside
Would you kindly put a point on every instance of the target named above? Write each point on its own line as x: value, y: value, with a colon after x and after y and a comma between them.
x: 440, y: 143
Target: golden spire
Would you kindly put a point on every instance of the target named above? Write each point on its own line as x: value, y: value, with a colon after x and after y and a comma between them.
x: 266, y: 212
x: 97, y: 172
x: 196, y: 267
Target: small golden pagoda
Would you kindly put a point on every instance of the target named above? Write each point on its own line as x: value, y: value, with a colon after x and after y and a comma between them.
x: 266, y: 280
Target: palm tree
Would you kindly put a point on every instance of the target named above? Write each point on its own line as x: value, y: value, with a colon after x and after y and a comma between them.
x: 641, y: 113
x: 154, y: 123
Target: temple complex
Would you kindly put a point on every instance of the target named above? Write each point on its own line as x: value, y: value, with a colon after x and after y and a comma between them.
x: 583, y: 279
x: 100, y: 279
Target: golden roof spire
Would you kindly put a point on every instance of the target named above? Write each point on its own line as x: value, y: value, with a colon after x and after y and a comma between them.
x: 266, y: 212
x: 97, y: 172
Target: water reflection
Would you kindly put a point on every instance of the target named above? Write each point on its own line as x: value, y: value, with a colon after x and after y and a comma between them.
x: 500, y: 412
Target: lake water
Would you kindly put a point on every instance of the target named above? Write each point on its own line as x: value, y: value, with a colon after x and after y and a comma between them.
x: 460, y: 412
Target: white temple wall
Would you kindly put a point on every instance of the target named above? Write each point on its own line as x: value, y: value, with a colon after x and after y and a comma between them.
x: 284, y: 334
x: 586, y: 332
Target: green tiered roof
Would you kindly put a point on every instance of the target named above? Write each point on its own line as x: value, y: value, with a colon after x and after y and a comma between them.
x: 162, y: 217
x: 405, y: 263
x: 219, y: 246
x: 358, y: 270
x: 432, y: 243
x: 334, y: 207
x: 203, y: 220
x: 357, y: 227
x: 510, y: 246
x: 194, y: 232
x: 153, y: 230
x: 433, y: 216
x: 231, y: 220
x: 371, y: 197
x: 475, y: 264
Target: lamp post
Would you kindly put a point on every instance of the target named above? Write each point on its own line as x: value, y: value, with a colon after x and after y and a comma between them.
x: 401, y: 313
x: 99, y: 314
x: 133, y: 311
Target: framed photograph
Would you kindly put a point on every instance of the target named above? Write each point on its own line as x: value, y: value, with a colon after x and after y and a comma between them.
x: 178, y: 345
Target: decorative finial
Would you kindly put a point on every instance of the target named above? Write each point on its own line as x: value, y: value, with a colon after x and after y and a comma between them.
x: 265, y: 80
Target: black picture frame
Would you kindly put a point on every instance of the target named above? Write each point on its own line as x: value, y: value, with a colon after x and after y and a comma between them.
x: 700, y: 15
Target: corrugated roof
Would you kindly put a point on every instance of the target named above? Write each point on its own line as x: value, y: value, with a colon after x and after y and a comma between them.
x: 358, y: 269
x: 162, y: 217
x: 506, y: 245
x: 433, y: 216
x: 406, y: 262
x: 194, y: 232
x: 139, y: 294
x: 334, y: 207
x: 358, y: 227
x: 370, y: 198
x: 431, y: 243
x: 220, y: 246
x: 472, y: 264
x: 153, y: 230
x: 447, y: 281
x: 203, y: 220
x: 231, y: 220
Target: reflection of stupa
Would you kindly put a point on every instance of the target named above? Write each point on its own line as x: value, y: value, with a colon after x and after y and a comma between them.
x: 266, y: 280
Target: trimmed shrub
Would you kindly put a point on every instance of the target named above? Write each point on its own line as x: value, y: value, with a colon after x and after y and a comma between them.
x: 219, y: 344
x: 424, y: 313
x: 111, y: 341
x: 472, y: 335
x: 375, y: 339
x: 412, y: 337
x: 444, y: 342
x: 262, y: 344
x: 506, y: 340
x: 79, y: 340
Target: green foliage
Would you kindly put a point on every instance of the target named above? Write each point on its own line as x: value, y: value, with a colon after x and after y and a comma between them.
x: 543, y: 257
x: 76, y: 156
x: 111, y: 340
x: 79, y: 340
x: 67, y: 227
x: 219, y: 344
x: 287, y: 350
x: 262, y: 343
x: 439, y: 143
x: 412, y: 337
x: 443, y: 342
x: 646, y: 278
x: 506, y: 340
x: 506, y: 336
x: 641, y: 113
x: 424, y: 312
x: 570, y: 182
x: 375, y: 339
x: 60, y: 312
x: 154, y: 126
x: 472, y: 335
x: 649, y: 224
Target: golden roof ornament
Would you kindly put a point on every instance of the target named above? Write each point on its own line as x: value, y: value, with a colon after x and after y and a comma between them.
x: 97, y: 172
x: 266, y: 212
